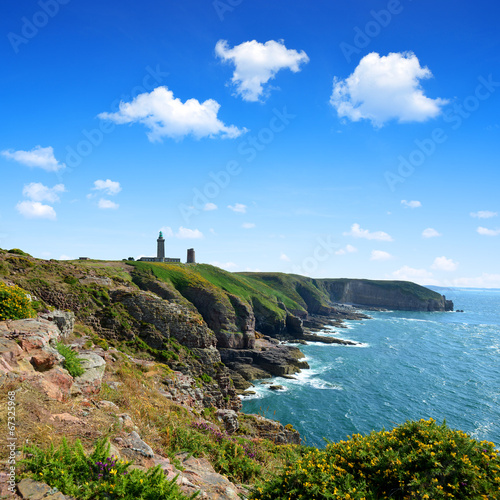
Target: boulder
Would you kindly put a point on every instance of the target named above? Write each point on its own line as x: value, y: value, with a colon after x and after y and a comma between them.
x: 90, y: 381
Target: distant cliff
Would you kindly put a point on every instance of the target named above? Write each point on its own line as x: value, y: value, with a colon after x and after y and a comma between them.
x: 399, y: 295
x: 319, y: 296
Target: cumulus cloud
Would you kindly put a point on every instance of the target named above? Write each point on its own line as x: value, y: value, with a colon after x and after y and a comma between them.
x: 209, y: 206
x: 346, y: 249
x: 385, y: 88
x: 188, y: 234
x: 357, y: 232
x: 35, y: 210
x: 430, y: 233
x: 444, y: 264
x: 285, y: 257
x: 486, y: 280
x: 483, y: 214
x: 108, y: 186
x: 238, y: 207
x: 380, y: 255
x: 36, y: 191
x: 407, y: 273
x: 484, y: 231
x: 248, y: 225
x: 37, y: 157
x: 411, y: 204
x: 257, y: 63
x: 167, y: 116
x: 104, y: 204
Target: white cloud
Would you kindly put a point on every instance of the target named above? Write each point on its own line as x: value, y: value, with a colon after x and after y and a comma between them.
x: 188, y: 234
x: 444, y: 264
x: 484, y: 214
x: 37, y: 157
x: 167, y: 116
x: 407, y: 273
x: 385, y: 88
x: 488, y: 232
x: 285, y: 257
x: 357, y: 232
x: 238, y: 207
x: 36, y: 191
x: 65, y: 257
x: 248, y: 225
x: 380, y: 255
x: 257, y: 63
x: 224, y: 265
x: 484, y: 281
x: 167, y: 232
x: 210, y: 206
x: 108, y: 186
x: 411, y: 204
x: 35, y: 210
x: 430, y: 233
x: 346, y: 249
x: 107, y: 204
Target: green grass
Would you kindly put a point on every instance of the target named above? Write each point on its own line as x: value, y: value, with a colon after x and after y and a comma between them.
x: 96, y: 476
x: 71, y: 362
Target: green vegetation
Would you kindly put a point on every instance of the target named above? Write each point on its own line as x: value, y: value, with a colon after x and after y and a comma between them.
x: 15, y: 303
x: 96, y: 476
x: 241, y: 459
x: 19, y: 252
x: 71, y: 362
x: 420, y: 460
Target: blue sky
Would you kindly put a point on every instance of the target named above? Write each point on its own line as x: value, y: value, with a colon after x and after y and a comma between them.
x: 330, y: 140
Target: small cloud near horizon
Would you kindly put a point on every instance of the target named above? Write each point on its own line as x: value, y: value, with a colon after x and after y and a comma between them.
x: 238, y: 208
x: 346, y: 249
x: 35, y: 210
x: 411, y: 204
x: 444, y: 264
x: 104, y: 204
x: 380, y: 255
x: 484, y: 231
x: 430, y: 233
x: 357, y: 232
x: 483, y: 214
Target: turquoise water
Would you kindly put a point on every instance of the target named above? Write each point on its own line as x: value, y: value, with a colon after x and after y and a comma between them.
x: 411, y: 365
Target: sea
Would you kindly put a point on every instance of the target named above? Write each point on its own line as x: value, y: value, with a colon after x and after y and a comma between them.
x: 410, y: 365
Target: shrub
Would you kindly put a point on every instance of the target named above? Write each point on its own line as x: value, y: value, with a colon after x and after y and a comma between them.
x: 17, y: 251
x: 15, y: 303
x: 96, y: 476
x: 420, y: 460
x: 71, y: 362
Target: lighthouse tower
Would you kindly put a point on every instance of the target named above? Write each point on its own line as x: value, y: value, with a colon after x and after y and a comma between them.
x: 160, y: 254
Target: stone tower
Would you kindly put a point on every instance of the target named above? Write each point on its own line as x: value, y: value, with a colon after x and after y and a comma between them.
x: 160, y: 254
x: 190, y: 256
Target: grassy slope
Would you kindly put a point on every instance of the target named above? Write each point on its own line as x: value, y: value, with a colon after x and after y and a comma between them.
x: 295, y: 286
x: 219, y: 281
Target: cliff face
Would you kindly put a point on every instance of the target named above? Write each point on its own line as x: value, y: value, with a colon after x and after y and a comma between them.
x: 390, y: 295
